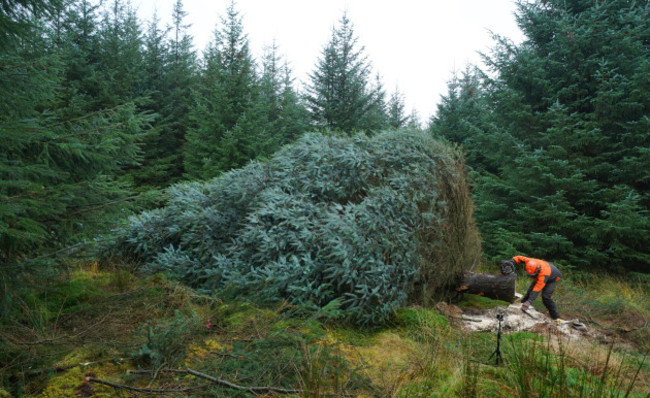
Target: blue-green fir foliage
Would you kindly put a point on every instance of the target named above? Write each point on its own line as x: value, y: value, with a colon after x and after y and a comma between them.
x: 358, y: 219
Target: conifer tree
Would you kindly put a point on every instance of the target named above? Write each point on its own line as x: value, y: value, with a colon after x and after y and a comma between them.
x: 59, y: 166
x: 155, y: 61
x: 364, y: 221
x: 120, y: 55
x: 218, y: 140
x: 79, y: 42
x: 154, y: 169
x: 280, y: 116
x: 414, y: 121
x: 396, y: 116
x: 462, y: 117
x: 376, y: 116
x: 569, y: 109
x: 181, y: 80
x: 170, y: 72
x: 17, y: 17
x: 340, y: 95
x: 294, y: 114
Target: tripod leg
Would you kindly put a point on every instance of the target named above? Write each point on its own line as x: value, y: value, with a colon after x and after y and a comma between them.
x: 498, y: 350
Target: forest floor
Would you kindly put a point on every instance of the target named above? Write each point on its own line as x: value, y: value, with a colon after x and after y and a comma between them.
x: 107, y: 333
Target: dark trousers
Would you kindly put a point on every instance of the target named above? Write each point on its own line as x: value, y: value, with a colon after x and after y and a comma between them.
x: 547, y: 299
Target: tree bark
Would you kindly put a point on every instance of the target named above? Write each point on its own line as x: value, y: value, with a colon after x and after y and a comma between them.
x: 494, y: 286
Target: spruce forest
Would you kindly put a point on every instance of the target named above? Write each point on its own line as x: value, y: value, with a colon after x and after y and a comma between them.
x: 195, y: 222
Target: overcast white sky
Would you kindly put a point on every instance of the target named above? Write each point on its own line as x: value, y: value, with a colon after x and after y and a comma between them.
x: 414, y: 45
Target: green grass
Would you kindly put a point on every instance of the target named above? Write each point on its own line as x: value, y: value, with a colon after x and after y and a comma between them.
x: 617, y: 305
x: 119, y: 322
x: 410, y: 318
x: 480, y: 303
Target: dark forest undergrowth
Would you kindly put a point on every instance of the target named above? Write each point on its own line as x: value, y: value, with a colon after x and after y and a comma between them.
x: 105, y: 332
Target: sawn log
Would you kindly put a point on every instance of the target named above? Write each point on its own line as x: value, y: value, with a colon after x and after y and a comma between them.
x: 494, y: 286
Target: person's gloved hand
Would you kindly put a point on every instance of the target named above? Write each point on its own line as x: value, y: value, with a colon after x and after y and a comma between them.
x: 525, y: 305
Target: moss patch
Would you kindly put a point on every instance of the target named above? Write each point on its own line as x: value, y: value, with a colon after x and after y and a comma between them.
x: 355, y: 337
x: 420, y: 317
x: 247, y: 315
x: 209, y: 348
x: 72, y: 383
x: 480, y: 303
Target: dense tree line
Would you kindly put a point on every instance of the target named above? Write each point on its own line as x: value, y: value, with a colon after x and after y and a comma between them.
x: 97, y: 107
x: 69, y: 128
x: 557, y: 131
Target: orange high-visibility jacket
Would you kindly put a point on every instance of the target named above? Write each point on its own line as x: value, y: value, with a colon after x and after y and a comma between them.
x: 547, y: 273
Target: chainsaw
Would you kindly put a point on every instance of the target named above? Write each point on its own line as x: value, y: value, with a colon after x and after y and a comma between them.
x: 507, y: 267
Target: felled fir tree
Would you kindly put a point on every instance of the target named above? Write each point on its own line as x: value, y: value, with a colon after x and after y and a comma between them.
x: 373, y: 223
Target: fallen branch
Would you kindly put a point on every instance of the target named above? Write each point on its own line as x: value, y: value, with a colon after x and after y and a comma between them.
x: 252, y: 390
x: 223, y: 354
x: 465, y: 318
x: 225, y: 383
x: 231, y: 385
x: 145, y: 390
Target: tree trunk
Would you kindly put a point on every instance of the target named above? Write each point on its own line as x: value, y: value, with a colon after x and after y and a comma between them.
x: 494, y: 286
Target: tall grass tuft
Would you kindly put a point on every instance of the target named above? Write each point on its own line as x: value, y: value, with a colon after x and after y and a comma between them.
x: 547, y: 369
x: 470, y: 378
x: 615, y: 304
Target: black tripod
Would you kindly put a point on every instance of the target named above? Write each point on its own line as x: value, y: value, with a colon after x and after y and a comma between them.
x: 497, y: 352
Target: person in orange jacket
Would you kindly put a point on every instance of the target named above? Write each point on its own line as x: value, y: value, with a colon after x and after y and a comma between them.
x: 545, y: 278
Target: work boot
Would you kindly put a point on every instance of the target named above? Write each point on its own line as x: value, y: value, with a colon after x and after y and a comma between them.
x: 559, y: 320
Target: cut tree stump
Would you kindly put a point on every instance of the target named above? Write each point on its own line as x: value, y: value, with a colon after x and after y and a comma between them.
x: 494, y: 286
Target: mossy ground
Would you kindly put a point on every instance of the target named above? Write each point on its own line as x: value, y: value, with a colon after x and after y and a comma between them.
x: 113, y: 322
x: 480, y: 303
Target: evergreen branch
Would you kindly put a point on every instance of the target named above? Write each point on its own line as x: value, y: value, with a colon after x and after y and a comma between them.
x: 32, y: 63
x: 76, y: 246
x: 85, y: 132
x: 93, y: 114
x: 16, y: 184
x: 75, y: 120
x: 87, y: 208
x: 9, y: 75
x: 65, y: 249
x: 99, y: 205
x: 10, y: 199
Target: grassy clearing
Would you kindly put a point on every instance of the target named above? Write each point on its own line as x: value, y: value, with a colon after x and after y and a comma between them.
x: 619, y: 306
x: 112, y: 326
